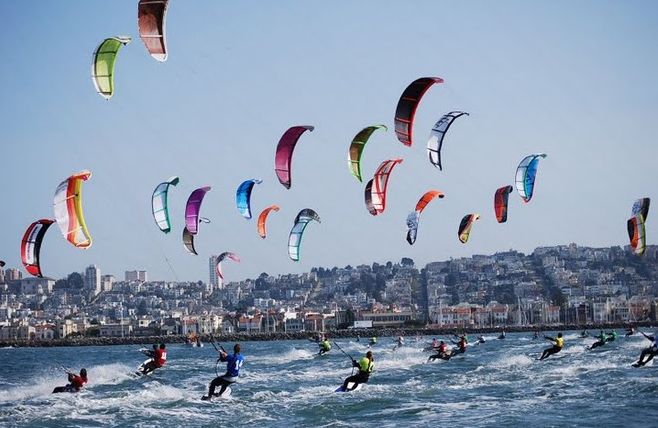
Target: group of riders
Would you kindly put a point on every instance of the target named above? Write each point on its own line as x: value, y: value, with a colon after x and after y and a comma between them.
x: 158, y: 358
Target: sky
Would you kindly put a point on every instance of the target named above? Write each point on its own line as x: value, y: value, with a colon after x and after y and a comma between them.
x: 574, y: 80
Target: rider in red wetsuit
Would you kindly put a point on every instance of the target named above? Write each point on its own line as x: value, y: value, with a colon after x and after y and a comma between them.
x: 75, y: 382
x: 159, y: 360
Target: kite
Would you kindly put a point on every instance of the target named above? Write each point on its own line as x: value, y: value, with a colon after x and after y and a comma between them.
x: 295, y: 239
x: 414, y: 217
x: 407, y: 105
x: 151, y: 20
x: 243, y: 197
x: 525, y: 175
x: 466, y: 225
x: 68, y: 210
x: 435, y: 142
x: 500, y: 203
x: 31, y: 246
x: 262, y: 218
x: 160, y: 206
x: 356, y: 149
x: 102, y: 67
x: 284, y: 150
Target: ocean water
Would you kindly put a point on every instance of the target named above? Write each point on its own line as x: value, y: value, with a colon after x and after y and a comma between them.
x: 498, y: 383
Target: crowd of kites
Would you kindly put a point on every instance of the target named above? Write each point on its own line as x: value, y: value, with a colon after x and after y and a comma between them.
x: 68, y: 210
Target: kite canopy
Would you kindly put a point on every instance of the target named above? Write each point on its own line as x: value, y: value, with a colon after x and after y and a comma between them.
x: 414, y: 217
x: 188, y: 242
x: 102, y: 66
x: 262, y: 219
x: 368, y: 198
x: 437, y: 135
x: 379, y: 186
x: 525, y: 175
x: 192, y: 209
x: 223, y: 256
x: 356, y: 149
x: 160, y: 205
x: 2, y: 263
x: 466, y: 225
x: 243, y: 197
x: 31, y: 246
x: 151, y: 20
x: 68, y: 210
x: 284, y: 150
x: 407, y: 105
x: 501, y: 198
x: 295, y: 238
x: 641, y: 206
x: 637, y: 234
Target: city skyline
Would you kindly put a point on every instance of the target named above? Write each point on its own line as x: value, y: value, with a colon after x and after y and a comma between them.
x: 214, y: 112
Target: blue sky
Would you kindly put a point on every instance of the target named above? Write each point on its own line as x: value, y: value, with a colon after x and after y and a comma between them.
x: 575, y: 80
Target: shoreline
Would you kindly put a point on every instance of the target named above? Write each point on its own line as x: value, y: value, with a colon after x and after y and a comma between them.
x: 332, y: 334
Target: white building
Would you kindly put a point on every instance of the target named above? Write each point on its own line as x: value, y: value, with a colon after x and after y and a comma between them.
x: 136, y: 275
x: 92, y: 280
x: 107, y: 282
x: 212, y: 269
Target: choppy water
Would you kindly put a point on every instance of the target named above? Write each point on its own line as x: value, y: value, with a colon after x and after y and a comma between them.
x: 284, y: 384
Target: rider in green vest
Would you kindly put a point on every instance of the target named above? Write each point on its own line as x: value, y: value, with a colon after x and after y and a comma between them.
x: 365, y: 365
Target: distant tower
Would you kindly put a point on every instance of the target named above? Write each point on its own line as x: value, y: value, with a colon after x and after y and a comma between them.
x: 92, y: 282
x: 214, y: 280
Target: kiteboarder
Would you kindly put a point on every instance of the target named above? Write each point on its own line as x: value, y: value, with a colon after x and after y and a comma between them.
x: 365, y: 365
x: 584, y: 333
x: 324, y: 345
x: 441, y: 352
x: 373, y: 341
x: 558, y: 344
x: 234, y: 363
x: 75, y: 382
x: 649, y: 352
x: 461, y: 345
x: 502, y: 335
x: 603, y: 338
x: 630, y: 331
x: 158, y: 359
x: 399, y: 343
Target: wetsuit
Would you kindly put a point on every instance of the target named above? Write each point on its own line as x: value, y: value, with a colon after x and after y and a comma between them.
x: 159, y: 360
x: 75, y: 385
x: 234, y: 363
x: 649, y: 352
x: 557, y: 347
x: 325, y: 346
x: 365, y: 366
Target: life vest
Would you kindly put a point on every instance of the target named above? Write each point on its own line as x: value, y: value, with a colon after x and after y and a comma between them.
x: 325, y: 345
x: 366, y: 366
x: 78, y: 382
x: 160, y: 357
x: 442, y: 347
x: 559, y: 342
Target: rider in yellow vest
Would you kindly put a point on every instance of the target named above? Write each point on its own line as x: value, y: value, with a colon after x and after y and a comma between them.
x: 365, y: 365
x: 558, y: 344
x: 325, y: 346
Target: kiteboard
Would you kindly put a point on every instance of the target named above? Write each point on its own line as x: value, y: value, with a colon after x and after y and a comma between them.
x: 140, y: 369
x: 227, y: 393
x: 350, y: 385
